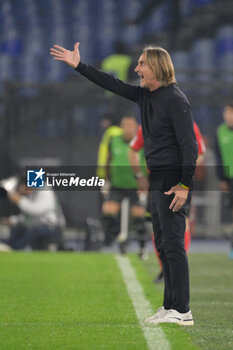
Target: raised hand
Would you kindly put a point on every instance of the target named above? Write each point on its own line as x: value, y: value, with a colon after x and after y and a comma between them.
x: 72, y: 58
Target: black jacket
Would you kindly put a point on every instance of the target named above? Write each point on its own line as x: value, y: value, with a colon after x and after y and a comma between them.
x: 167, y: 124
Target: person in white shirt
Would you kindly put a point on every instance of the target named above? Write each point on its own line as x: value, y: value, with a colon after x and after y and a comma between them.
x: 41, y: 218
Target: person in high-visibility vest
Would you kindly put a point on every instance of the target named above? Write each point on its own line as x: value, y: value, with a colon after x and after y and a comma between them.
x: 109, y: 123
x: 123, y: 185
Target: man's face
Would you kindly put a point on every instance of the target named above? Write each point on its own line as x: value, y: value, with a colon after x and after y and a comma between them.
x: 129, y: 128
x: 228, y: 116
x: 147, y: 76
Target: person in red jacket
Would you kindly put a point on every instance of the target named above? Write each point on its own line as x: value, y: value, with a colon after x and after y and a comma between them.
x: 136, y: 145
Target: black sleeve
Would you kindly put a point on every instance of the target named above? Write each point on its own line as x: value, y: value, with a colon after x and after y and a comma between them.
x: 107, y: 81
x: 219, y: 167
x: 182, y: 120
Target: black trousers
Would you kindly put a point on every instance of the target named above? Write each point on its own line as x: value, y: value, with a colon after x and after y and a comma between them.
x: 169, y: 230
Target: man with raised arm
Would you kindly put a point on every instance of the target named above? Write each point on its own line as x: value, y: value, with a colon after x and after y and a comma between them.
x: 171, y: 153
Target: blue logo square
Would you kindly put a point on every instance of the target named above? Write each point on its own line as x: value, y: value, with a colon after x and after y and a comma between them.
x: 36, y: 178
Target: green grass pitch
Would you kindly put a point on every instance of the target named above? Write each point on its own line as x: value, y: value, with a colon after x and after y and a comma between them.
x: 79, y: 301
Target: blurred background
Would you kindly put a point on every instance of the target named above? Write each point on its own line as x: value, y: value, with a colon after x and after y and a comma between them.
x: 49, y: 115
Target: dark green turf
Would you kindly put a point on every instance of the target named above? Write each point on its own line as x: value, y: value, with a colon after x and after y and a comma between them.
x: 79, y: 301
x: 211, y: 300
x: 65, y: 301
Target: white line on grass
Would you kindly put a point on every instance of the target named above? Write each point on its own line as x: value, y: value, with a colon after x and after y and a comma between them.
x: 154, y: 334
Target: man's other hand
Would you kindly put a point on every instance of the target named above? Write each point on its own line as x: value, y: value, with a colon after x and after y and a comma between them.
x: 181, y: 195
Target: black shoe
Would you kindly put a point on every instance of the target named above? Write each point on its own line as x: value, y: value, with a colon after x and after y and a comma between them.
x: 159, y: 278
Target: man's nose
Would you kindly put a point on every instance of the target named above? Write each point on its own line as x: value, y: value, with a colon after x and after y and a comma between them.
x: 136, y: 69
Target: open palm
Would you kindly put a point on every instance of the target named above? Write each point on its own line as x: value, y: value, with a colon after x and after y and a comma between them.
x: 72, y: 58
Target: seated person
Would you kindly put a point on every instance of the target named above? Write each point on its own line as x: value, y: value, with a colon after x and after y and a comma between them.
x: 41, y: 220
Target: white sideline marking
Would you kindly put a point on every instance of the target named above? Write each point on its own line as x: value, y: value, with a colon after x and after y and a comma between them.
x: 154, y: 335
